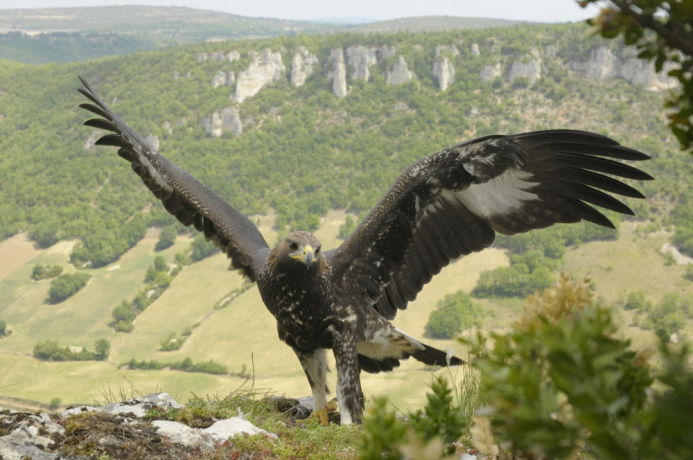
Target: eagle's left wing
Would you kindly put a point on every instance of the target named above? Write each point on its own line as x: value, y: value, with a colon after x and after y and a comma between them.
x: 183, y: 196
x: 451, y: 204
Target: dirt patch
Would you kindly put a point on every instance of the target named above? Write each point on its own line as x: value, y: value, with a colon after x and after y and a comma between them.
x: 15, y: 252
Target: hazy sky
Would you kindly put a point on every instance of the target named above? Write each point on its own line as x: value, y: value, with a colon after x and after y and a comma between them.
x: 528, y: 10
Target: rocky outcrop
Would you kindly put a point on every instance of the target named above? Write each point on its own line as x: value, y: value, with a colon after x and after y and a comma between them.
x: 115, y: 427
x: 222, y: 121
x: 338, y: 72
x: 603, y: 63
x: 385, y: 51
x: 221, y: 78
x: 444, y: 72
x: 474, y: 49
x: 491, y: 72
x: 449, y: 49
x: 302, y: 66
x: 233, y: 56
x: 399, y: 73
x: 153, y: 141
x: 528, y: 67
x: 265, y: 68
x: 359, y: 59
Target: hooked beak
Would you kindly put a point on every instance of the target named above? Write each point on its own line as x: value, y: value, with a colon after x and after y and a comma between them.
x: 308, y: 255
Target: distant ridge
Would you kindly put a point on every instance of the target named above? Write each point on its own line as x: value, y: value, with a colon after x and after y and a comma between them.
x: 432, y: 23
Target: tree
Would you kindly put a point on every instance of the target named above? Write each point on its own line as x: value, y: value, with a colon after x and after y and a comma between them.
x: 661, y: 30
x: 66, y: 286
x: 166, y: 238
x: 102, y: 349
x: 455, y: 313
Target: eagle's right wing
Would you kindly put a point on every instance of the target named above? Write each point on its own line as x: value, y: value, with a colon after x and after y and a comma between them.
x: 190, y: 201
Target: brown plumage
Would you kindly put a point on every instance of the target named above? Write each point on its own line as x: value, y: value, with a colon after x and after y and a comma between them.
x: 444, y: 206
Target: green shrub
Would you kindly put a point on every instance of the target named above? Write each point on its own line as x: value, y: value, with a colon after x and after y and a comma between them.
x: 41, y: 272
x: 65, y: 286
x: 637, y: 300
x: 124, y: 312
x: 202, y: 249
x: 187, y: 365
x: 51, y: 351
x: 454, y: 313
x: 347, y: 228
x: 124, y: 326
x: 172, y: 342
x: 167, y: 237
x: 668, y: 316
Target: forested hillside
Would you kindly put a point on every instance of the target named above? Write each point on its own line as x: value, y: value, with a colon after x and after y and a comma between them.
x: 302, y: 150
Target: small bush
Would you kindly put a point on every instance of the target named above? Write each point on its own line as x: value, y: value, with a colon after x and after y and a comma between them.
x: 347, y: 228
x: 51, y: 351
x: 41, y: 272
x: 637, y: 300
x: 124, y: 326
x: 202, y: 249
x: 668, y: 316
x: 65, y: 286
x: 172, y: 342
x: 167, y: 237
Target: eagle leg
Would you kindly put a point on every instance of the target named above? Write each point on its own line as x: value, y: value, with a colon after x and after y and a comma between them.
x: 349, y: 392
x: 315, y: 366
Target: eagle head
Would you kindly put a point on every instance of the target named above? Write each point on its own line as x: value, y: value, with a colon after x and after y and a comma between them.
x: 303, y: 247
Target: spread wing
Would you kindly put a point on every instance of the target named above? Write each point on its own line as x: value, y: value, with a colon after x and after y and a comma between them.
x: 183, y: 196
x: 453, y: 202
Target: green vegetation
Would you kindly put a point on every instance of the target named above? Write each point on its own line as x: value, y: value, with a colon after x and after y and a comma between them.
x: 51, y: 351
x: 347, y: 228
x: 231, y: 296
x: 4, y: 331
x: 41, y: 272
x: 65, y: 286
x: 173, y: 342
x: 537, y: 254
x: 201, y: 249
x: 187, y: 365
x: 665, y: 318
x: 453, y: 314
x: 167, y: 237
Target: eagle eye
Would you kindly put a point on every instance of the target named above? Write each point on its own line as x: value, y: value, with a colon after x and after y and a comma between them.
x: 317, y: 251
x: 293, y: 246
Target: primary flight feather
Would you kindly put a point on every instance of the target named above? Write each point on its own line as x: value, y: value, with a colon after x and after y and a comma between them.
x: 444, y: 206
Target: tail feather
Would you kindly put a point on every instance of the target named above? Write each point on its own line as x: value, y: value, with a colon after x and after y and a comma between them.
x: 434, y: 357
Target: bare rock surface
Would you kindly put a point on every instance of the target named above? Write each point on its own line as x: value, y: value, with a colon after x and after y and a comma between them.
x: 359, y: 59
x: 491, y: 72
x: 222, y: 121
x: 444, y: 72
x: 138, y: 406
x: 264, y: 69
x: 399, y: 73
x: 338, y: 72
x: 302, y: 66
x: 450, y: 49
x: 207, y: 438
x: 528, y: 67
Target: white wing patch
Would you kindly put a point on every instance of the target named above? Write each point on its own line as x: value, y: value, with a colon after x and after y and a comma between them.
x: 388, y: 342
x: 498, y: 196
x: 144, y: 161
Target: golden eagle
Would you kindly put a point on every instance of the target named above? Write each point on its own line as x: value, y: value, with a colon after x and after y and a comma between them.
x: 444, y: 206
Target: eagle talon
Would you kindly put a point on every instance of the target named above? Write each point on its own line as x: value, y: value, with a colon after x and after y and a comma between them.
x: 322, y: 415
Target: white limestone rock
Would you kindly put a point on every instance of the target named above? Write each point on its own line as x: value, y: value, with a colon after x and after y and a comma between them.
x: 153, y: 141
x: 338, y: 72
x: 474, y: 49
x: 603, y: 63
x: 218, y: 56
x: 491, y: 72
x: 264, y: 69
x: 138, y: 406
x: 233, y: 56
x: 202, y: 57
x: 451, y: 49
x: 399, y: 73
x: 444, y: 72
x: 385, y: 51
x: 359, y: 59
x: 302, y: 66
x: 528, y: 67
x: 207, y: 438
x: 219, y: 79
x: 222, y: 121
x: 91, y: 140
x: 176, y: 76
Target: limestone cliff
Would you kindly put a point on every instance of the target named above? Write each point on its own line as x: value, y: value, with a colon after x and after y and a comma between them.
x: 450, y: 49
x: 491, y: 72
x: 528, y: 67
x: 302, y: 66
x: 603, y: 63
x: 359, y: 59
x: 444, y: 72
x: 219, y: 122
x: 338, y: 72
x: 399, y: 73
x: 474, y: 49
x: 265, y: 68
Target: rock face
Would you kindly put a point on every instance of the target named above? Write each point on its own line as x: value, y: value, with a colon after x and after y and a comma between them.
x: 603, y: 64
x: 399, y: 73
x: 385, y: 51
x: 302, y: 66
x: 338, y: 72
x: 38, y: 437
x: 491, y: 72
x: 451, y: 49
x: 444, y: 72
x: 528, y: 67
x: 207, y: 438
x: 474, y: 49
x: 359, y: 59
x: 221, y: 78
x: 265, y: 68
x: 219, y: 122
x: 233, y: 56
x: 153, y: 141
